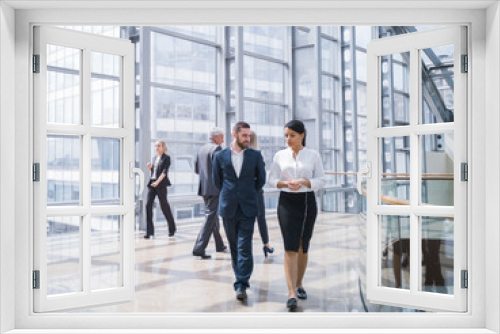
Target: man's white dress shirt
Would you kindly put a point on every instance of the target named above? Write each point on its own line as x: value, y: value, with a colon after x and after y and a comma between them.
x: 237, y: 160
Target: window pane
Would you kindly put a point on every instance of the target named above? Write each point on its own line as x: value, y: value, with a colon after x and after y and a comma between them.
x: 329, y: 130
x: 63, y: 85
x: 395, y: 78
x: 329, y: 89
x: 63, y: 170
x: 437, y: 254
x: 437, y: 169
x: 303, y: 36
x: 303, y: 83
x: 329, y: 56
x: 265, y: 40
x: 106, y: 69
x: 175, y: 61
x: 363, y: 36
x: 331, y: 31
x: 193, y: 113
x: 63, y: 255
x: 361, y: 98
x: 263, y: 79
x: 183, y: 119
x: 395, y: 178
x: 437, y: 84
x: 328, y: 164
x: 111, y: 31
x: 362, y: 132
x: 395, y: 252
x: 105, y: 171
x: 267, y: 121
x: 361, y: 70
x: 106, y: 252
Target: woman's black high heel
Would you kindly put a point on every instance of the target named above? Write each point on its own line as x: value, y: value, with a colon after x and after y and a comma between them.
x: 267, y: 250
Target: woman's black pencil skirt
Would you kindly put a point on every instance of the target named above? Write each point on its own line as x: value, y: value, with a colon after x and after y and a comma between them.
x: 296, y: 215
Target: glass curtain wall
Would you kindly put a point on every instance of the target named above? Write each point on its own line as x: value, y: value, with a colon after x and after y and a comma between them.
x: 258, y: 76
x: 191, y: 78
x: 177, y: 99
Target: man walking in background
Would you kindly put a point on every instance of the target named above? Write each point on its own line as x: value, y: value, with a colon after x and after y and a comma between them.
x: 210, y: 194
x: 239, y: 173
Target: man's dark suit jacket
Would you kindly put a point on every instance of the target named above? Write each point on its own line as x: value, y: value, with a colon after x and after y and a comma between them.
x: 203, y: 167
x: 163, y: 167
x: 240, y: 191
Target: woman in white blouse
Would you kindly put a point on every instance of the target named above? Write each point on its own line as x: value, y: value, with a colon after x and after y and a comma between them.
x: 297, y: 171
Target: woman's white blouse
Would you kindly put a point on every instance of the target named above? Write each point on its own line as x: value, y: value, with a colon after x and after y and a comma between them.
x: 306, y: 165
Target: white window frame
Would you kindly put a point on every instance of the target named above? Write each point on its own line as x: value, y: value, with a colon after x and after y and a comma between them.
x: 476, y: 320
x: 415, y: 44
x: 124, y: 132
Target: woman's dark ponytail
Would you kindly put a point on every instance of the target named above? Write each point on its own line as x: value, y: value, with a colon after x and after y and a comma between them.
x: 299, y: 127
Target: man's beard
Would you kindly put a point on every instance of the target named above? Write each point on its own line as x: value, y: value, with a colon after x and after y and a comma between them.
x: 241, y: 144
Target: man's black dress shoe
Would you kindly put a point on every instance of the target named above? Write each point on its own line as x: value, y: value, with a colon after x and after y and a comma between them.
x: 301, y: 293
x: 241, y: 294
x: 203, y: 256
x: 147, y: 236
x: 222, y: 250
x: 171, y: 234
x: 292, y: 303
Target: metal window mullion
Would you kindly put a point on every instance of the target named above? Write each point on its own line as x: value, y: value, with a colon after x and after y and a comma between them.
x: 289, y: 74
x: 228, y: 59
x: 303, y: 46
x: 239, y: 75
x: 264, y: 57
x: 222, y: 79
x: 331, y: 75
x: 348, y: 146
x: 332, y: 111
x: 328, y: 37
x: 360, y: 48
x: 190, y: 38
x: 317, y: 93
x: 293, y: 92
x: 85, y: 171
x: 257, y: 100
x: 145, y: 109
x: 184, y: 89
x: 354, y: 95
x: 342, y: 163
x: 317, y: 101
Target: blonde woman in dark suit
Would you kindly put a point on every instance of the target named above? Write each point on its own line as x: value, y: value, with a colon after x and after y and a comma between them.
x: 157, y: 186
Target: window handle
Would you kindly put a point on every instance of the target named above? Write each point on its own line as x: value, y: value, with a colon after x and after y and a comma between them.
x: 134, y: 170
x: 365, y: 170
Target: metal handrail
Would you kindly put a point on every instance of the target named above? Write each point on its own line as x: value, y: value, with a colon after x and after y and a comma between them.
x: 449, y: 175
x: 401, y: 176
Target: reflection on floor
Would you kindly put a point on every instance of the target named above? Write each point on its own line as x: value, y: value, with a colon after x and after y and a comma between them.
x: 170, y: 279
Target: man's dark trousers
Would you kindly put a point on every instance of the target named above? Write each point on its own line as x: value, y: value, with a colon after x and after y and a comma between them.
x: 239, y: 232
x: 210, y: 226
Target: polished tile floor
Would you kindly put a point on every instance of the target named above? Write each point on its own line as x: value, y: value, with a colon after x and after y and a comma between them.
x: 170, y: 279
